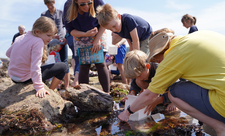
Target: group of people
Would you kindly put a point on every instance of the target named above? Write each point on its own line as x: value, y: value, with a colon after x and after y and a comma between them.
x: 187, y: 72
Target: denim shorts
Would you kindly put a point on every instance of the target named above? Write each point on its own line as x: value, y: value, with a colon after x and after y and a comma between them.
x: 196, y: 97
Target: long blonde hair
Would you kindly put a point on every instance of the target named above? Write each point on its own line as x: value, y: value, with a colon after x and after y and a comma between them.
x: 44, y: 25
x: 72, y: 12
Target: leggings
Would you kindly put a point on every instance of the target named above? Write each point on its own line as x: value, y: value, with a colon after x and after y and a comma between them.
x: 103, y: 75
x: 57, y: 70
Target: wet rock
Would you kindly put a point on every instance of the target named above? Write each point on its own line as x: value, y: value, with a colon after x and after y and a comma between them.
x: 89, y: 98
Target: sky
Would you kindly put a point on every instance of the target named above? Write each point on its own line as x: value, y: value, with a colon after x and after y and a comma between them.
x: 159, y: 14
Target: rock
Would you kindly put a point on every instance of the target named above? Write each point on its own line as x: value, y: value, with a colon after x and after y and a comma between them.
x: 89, y: 98
x: 22, y: 96
x: 5, y: 83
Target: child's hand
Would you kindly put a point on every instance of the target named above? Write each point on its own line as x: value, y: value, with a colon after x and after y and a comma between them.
x: 96, y: 46
x: 41, y: 93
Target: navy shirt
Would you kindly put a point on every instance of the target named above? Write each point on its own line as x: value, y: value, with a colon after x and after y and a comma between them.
x: 16, y: 35
x: 65, y: 9
x: 129, y: 22
x: 193, y: 29
x: 58, y: 19
x: 83, y: 22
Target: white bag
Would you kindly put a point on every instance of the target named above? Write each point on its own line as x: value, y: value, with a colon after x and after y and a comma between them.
x: 50, y: 60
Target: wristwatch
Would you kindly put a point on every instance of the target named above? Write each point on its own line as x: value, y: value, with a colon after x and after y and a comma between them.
x: 128, y: 108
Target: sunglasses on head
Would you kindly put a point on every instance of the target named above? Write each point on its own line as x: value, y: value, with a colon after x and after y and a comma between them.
x: 88, y: 3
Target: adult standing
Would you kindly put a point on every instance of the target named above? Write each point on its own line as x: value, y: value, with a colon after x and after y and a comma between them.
x: 57, y: 16
x: 21, y: 29
x: 197, y: 57
x: 70, y: 42
x: 83, y: 25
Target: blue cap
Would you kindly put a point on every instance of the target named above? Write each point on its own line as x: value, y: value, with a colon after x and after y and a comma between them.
x: 53, y: 42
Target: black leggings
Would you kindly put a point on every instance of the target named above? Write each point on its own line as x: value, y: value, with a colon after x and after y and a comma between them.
x: 57, y: 70
x: 103, y: 75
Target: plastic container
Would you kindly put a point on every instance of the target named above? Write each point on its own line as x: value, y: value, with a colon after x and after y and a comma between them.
x: 139, y: 115
x: 111, y: 67
x: 157, y: 117
x: 113, y: 50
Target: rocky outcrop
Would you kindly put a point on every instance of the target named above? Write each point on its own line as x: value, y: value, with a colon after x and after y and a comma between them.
x: 22, y: 96
x: 21, y: 109
x: 88, y: 98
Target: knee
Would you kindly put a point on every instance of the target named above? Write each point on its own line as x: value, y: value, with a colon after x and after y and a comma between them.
x: 64, y: 67
x: 172, y: 99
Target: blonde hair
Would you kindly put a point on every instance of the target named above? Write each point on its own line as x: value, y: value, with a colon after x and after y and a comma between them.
x: 56, y: 47
x: 134, y: 63
x: 188, y: 17
x: 73, y: 11
x: 44, y: 25
x: 49, y: 1
x: 105, y: 14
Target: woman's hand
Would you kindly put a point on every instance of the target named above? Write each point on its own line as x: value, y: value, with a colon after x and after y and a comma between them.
x: 92, y: 32
x: 41, y: 93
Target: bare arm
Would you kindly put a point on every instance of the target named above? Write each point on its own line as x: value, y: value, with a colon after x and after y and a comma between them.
x: 117, y: 40
x: 130, y: 44
x: 97, y: 43
x: 77, y: 33
x: 135, y: 39
x: 144, y: 99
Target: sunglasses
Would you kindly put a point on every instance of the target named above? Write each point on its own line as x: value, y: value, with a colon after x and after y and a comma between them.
x: 88, y: 3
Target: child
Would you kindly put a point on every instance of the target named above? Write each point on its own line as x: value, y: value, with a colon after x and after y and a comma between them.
x: 57, y: 16
x: 29, y: 51
x: 135, y: 29
x: 119, y: 57
x: 189, y: 21
x: 54, y: 47
x: 135, y: 67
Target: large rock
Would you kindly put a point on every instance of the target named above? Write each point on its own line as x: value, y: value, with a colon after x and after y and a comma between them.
x: 22, y: 96
x: 88, y: 98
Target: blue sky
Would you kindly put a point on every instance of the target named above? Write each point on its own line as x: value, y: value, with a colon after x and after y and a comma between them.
x: 159, y: 14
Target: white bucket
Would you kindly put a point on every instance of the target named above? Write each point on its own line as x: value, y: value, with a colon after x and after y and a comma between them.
x: 113, y: 50
x: 139, y: 115
x: 111, y: 67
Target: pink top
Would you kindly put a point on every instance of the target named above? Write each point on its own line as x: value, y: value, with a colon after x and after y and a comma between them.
x: 25, y: 59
